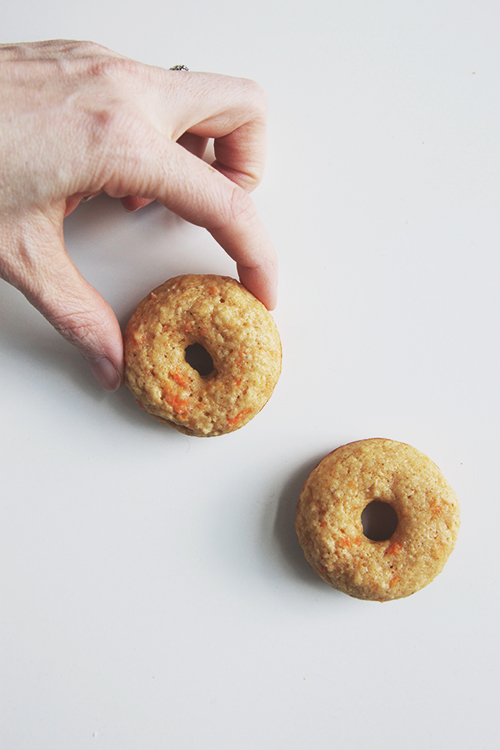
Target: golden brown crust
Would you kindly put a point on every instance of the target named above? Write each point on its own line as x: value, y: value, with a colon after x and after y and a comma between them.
x: 219, y: 314
x: 330, y: 529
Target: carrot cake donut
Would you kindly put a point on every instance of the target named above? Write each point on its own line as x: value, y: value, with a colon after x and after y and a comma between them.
x: 202, y: 354
x: 385, y: 476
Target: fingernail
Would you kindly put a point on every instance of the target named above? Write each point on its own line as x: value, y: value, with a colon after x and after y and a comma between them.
x: 105, y: 372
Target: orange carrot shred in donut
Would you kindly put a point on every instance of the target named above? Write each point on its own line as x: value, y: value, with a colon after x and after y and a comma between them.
x: 180, y: 378
x: 234, y: 420
x: 178, y: 404
x: 435, y: 507
x: 393, y: 548
x: 345, y: 541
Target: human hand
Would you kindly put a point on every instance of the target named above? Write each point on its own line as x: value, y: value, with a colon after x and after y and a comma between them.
x: 77, y: 119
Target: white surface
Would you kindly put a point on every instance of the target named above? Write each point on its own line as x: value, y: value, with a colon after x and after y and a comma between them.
x: 152, y: 592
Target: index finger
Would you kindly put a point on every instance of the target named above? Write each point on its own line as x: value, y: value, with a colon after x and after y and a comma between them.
x: 200, y: 194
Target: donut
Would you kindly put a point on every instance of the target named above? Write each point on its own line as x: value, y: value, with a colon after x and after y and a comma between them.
x: 202, y: 354
x: 397, y: 479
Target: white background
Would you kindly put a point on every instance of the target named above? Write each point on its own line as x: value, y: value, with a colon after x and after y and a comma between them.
x: 153, y: 595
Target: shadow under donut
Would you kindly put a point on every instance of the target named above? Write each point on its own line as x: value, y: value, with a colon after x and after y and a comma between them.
x: 284, y: 525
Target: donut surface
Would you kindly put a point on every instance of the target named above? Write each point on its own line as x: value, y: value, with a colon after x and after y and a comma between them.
x: 331, y: 532
x: 219, y: 316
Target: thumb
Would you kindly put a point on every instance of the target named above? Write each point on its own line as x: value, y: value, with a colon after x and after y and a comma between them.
x: 35, y: 261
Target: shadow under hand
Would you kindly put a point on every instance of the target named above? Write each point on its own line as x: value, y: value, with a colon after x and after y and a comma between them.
x: 284, y: 526
x: 36, y: 347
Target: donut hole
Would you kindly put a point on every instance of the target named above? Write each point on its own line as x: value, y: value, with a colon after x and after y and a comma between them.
x: 379, y: 520
x: 199, y: 359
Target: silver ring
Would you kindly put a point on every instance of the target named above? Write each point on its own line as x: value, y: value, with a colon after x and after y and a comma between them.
x: 178, y: 67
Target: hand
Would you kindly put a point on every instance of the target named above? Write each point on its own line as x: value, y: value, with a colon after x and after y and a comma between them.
x: 76, y: 120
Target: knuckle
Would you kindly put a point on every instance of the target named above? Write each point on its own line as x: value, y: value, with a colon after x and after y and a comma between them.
x: 256, y: 95
x: 113, y: 131
x: 87, y: 46
x: 106, y: 121
x: 112, y: 117
x: 241, y: 208
x: 73, y: 48
x: 109, y: 68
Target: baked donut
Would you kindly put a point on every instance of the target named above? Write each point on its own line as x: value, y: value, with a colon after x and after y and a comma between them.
x: 202, y: 354
x: 330, y: 527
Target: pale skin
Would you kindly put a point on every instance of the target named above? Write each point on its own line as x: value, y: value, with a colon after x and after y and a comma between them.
x: 76, y: 120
